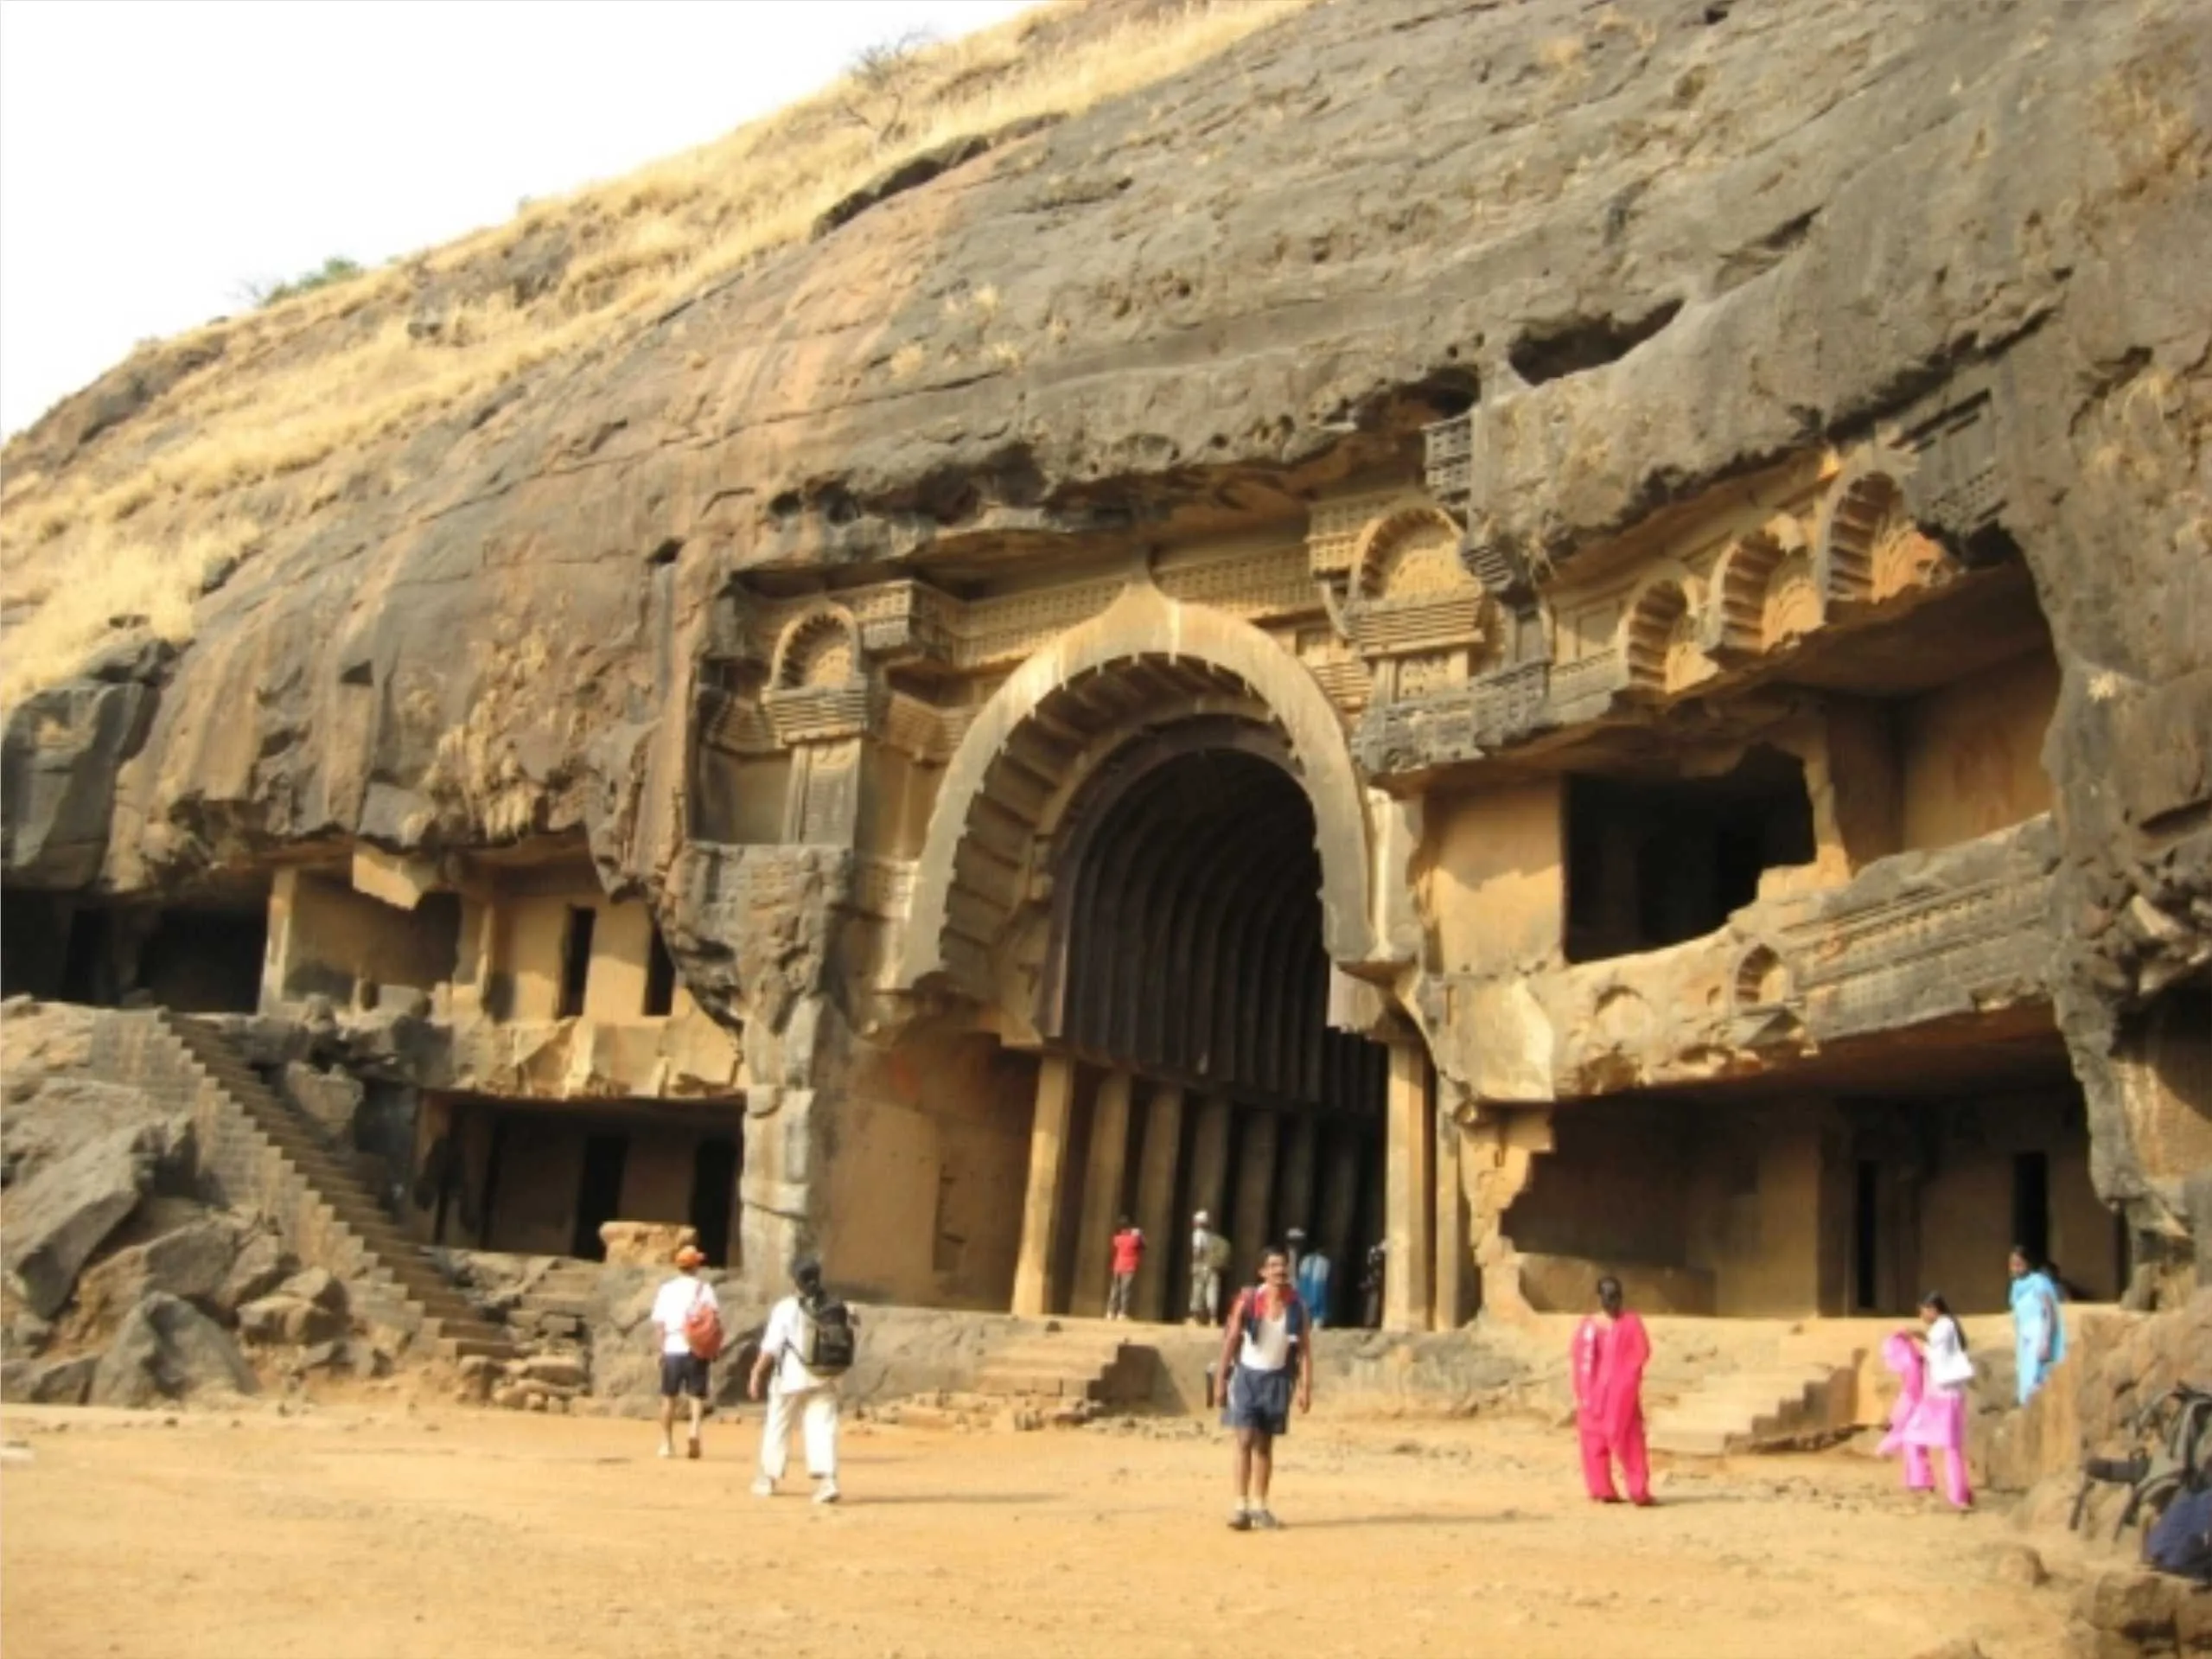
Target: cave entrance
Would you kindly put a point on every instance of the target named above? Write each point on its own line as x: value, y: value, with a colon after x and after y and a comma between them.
x: 540, y: 1177
x: 1191, y: 1061
x: 1851, y: 1185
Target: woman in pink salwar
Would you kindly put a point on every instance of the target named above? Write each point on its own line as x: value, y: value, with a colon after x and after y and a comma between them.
x: 1610, y: 1351
x: 1933, y: 1373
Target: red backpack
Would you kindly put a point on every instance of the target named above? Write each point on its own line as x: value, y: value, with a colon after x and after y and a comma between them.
x: 703, y: 1327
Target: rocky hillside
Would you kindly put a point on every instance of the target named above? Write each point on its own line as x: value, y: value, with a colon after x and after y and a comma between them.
x: 1661, y: 242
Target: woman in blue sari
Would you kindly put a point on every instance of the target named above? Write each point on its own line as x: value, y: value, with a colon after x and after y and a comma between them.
x: 2038, y: 1327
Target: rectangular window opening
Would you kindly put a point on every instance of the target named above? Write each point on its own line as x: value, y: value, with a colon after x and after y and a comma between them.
x: 659, y: 979
x: 575, y: 959
x: 1653, y: 861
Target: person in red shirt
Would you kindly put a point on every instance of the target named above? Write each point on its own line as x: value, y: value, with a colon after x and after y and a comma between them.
x: 1128, y: 1256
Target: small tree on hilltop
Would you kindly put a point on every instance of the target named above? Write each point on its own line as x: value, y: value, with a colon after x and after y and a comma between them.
x: 878, y: 83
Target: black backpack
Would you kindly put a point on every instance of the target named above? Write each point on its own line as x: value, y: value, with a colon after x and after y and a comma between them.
x: 826, y: 1339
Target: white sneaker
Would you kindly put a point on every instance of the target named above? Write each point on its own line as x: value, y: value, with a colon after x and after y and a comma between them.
x: 826, y: 1492
x: 763, y: 1487
x: 667, y: 1450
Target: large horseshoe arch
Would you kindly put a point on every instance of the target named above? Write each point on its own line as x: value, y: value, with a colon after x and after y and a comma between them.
x: 955, y: 895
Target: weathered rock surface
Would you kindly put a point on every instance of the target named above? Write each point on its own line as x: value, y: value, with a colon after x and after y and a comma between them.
x: 260, y: 1266
x: 317, y: 1286
x: 2116, y: 1363
x: 47, y: 1383
x: 290, y: 1319
x: 58, y: 761
x: 644, y: 1244
x: 191, y: 1262
x: 59, y: 1217
x: 2125, y: 1613
x: 1655, y: 245
x: 168, y: 1349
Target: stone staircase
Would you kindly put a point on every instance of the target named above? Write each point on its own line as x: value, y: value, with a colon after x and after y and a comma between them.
x: 1068, y: 1359
x: 557, y: 1306
x: 1805, y: 1391
x: 262, y: 1155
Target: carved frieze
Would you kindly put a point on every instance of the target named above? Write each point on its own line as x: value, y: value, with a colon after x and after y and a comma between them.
x: 1923, y: 956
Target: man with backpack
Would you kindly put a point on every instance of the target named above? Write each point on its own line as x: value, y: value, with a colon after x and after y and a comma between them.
x: 809, y: 1344
x: 687, y: 1319
x: 1210, y: 1258
x: 1266, y: 1359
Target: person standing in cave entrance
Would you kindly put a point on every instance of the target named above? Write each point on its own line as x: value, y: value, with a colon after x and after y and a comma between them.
x: 2039, y: 1326
x: 1209, y: 1257
x: 1610, y: 1351
x: 1310, y: 1275
x: 1378, y: 1265
x: 1128, y: 1257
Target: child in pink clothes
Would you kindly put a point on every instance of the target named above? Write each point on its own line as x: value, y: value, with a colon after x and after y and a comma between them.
x: 1931, y: 1414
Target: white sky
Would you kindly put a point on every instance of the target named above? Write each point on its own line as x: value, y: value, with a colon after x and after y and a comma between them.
x: 155, y: 157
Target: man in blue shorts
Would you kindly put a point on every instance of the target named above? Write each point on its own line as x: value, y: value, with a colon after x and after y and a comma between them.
x: 1266, y: 1358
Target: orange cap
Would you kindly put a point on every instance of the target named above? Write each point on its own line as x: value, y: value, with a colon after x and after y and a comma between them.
x: 689, y: 1256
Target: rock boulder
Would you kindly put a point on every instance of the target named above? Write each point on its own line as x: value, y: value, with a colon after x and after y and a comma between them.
x: 289, y: 1319
x: 193, y: 1261
x: 47, y: 1383
x: 65, y: 1212
x: 644, y: 1244
x: 168, y: 1349
x: 260, y: 1266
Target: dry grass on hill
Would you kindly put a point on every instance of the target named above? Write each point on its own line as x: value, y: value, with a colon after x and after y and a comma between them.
x: 307, y: 395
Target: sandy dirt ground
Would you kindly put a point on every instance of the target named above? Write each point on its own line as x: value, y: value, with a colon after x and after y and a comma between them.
x: 365, y: 1530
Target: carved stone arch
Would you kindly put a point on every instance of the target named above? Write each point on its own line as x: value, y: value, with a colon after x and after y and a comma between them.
x: 1412, y: 550
x: 1865, y: 509
x: 1658, y: 641
x: 1020, y: 751
x: 820, y: 647
x: 1761, y: 981
x: 1737, y: 612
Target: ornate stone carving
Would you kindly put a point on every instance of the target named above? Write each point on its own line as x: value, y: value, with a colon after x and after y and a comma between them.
x: 1658, y: 639
x: 1944, y: 947
x: 1742, y: 619
x: 820, y: 648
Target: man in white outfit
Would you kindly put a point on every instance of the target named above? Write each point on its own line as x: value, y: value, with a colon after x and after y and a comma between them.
x: 796, y: 1391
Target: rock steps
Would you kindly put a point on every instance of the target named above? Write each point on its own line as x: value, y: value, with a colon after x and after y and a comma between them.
x: 1803, y: 1391
x: 259, y: 1151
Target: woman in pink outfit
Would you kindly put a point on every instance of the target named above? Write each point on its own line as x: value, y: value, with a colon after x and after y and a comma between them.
x: 1932, y: 1374
x: 1610, y: 1351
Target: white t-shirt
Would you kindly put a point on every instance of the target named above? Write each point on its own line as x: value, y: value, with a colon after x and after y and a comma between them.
x: 785, y: 1327
x: 1266, y: 1346
x: 673, y: 1303
x: 1949, y: 1365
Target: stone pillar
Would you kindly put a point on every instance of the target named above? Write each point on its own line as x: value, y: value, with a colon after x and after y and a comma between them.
x: 1102, y: 1177
x: 1340, y: 1214
x: 1255, y: 1195
x: 1453, y: 1257
x: 1497, y: 1159
x: 276, y: 951
x: 1040, y: 1209
x: 1294, y: 1177
x: 1408, y: 1192
x: 1155, y: 1173
x: 1209, y: 1164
